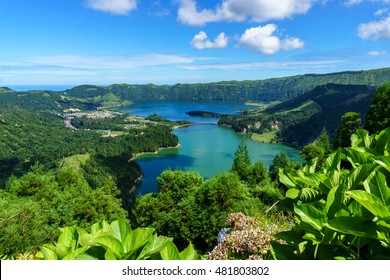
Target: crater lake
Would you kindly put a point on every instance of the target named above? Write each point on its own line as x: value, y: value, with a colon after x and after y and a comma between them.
x: 205, y: 147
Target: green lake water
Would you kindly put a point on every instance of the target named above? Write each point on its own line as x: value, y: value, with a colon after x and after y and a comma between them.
x: 205, y: 147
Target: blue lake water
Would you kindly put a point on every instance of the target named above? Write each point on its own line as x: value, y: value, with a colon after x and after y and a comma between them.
x: 205, y: 147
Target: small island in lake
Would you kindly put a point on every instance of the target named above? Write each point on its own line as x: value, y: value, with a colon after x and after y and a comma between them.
x: 205, y: 114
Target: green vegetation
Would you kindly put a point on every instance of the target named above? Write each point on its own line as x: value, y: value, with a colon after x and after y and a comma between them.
x: 36, y: 205
x: 264, y: 137
x: 275, y: 89
x: 115, y: 241
x: 28, y: 137
x: 299, y: 121
x: 5, y: 89
x: 378, y: 115
x: 350, y: 121
x: 342, y: 210
x: 205, y: 114
x: 76, y: 184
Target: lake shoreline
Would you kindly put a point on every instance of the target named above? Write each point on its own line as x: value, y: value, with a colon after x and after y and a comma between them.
x: 136, y: 156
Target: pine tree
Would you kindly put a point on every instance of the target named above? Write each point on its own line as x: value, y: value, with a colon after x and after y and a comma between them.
x: 242, y: 162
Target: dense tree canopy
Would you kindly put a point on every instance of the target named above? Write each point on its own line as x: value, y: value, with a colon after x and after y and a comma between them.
x: 378, y: 115
x: 350, y: 121
x: 33, y: 207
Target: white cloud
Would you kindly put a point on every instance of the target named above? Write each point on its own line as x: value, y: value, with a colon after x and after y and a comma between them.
x: 79, y: 69
x: 238, y: 10
x: 298, y: 65
x: 350, y: 3
x: 291, y: 43
x: 201, y: 41
x: 381, y: 12
x: 375, y: 30
x: 116, y: 7
x: 104, y: 62
x: 263, y: 40
x: 376, y: 53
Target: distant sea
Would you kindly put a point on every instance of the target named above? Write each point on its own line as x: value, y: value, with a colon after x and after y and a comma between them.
x: 40, y: 87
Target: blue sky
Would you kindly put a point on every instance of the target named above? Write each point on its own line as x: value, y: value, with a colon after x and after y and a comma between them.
x: 72, y: 42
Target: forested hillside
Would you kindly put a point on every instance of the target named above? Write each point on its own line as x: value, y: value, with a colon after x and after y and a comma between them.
x: 28, y: 137
x: 300, y: 120
x: 279, y: 89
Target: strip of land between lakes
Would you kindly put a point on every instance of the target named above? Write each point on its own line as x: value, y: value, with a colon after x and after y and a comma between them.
x: 178, y: 146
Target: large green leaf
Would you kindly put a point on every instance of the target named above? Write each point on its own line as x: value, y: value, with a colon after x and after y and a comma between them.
x: 361, y: 139
x: 335, y: 199
x: 84, y: 237
x: 110, y: 255
x: 309, y: 179
x: 137, y: 238
x: 358, y: 210
x: 120, y: 229
x: 355, y: 226
x: 377, y: 186
x: 48, y: 254
x: 61, y: 250
x: 371, y: 203
x: 189, y: 253
x: 170, y: 252
x: 286, y: 179
x: 99, y: 228
x: 332, y: 162
x: 73, y: 255
x: 360, y: 174
x: 358, y: 157
x: 86, y: 257
x: 282, y: 251
x: 310, y: 167
x: 154, y: 245
x: 291, y: 237
x: 109, y: 242
x: 68, y: 237
x: 309, y: 194
x: 383, y: 142
x: 383, y: 161
x: 311, y: 215
x: 292, y: 193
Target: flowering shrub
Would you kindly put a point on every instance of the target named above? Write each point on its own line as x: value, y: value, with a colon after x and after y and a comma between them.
x: 246, y: 238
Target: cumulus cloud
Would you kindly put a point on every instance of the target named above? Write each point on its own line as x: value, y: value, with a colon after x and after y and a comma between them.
x: 116, y: 7
x: 376, y: 53
x: 238, y: 10
x: 375, y: 30
x: 263, y: 40
x: 201, y: 41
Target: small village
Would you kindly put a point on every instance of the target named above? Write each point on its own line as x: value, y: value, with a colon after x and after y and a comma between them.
x: 130, y: 122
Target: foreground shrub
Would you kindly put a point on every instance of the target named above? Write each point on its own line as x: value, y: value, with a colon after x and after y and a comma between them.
x: 342, y: 211
x: 115, y: 241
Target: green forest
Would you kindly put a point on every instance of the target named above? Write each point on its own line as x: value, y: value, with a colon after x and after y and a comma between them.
x: 67, y: 181
x: 275, y: 89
